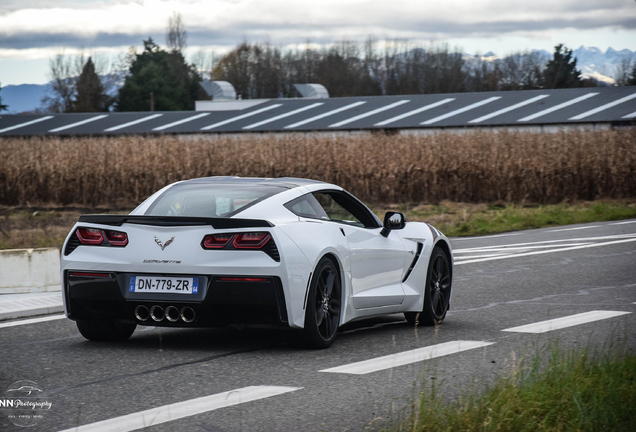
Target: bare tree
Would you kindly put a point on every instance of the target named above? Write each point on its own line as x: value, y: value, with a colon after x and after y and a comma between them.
x: 623, y: 71
x: 176, y: 36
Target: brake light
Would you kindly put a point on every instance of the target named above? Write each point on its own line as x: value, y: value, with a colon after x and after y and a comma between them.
x: 90, y: 236
x: 216, y: 241
x: 254, y: 240
x: 117, y: 238
x: 87, y: 274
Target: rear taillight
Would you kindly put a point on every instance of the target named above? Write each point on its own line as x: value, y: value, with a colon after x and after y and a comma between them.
x: 251, y: 240
x: 117, y: 238
x: 90, y: 236
x: 96, y: 236
x: 216, y: 241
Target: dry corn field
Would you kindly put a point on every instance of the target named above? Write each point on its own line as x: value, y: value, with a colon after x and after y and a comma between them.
x: 471, y: 167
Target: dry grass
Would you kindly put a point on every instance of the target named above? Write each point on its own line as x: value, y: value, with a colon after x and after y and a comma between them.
x: 473, y: 167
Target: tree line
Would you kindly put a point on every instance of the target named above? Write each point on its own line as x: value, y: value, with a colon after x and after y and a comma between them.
x: 162, y: 79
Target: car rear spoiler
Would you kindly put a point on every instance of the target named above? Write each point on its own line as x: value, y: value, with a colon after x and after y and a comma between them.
x: 217, y: 223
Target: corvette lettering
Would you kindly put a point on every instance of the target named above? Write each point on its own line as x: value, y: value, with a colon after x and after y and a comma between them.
x: 161, y: 261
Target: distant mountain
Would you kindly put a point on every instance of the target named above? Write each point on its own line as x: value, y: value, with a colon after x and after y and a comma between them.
x: 23, y: 98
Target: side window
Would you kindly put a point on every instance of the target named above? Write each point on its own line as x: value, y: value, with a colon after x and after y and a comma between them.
x: 335, y: 211
x: 307, y: 206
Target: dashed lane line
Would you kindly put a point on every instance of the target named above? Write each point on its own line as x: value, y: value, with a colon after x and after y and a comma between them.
x: 407, y: 357
x: 32, y: 321
x: 179, y: 410
x: 564, y: 322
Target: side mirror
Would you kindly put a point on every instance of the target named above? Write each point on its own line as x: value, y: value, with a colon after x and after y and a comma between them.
x: 393, y: 221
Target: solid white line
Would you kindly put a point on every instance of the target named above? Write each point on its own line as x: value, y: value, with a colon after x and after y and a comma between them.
x: 461, y: 258
x: 510, y: 108
x: 557, y: 107
x: 407, y: 357
x: 603, y: 107
x: 327, y: 114
x: 568, y: 321
x: 32, y: 321
x: 623, y: 223
x: 583, y: 239
x: 506, y: 248
x: 179, y: 410
x: 547, y: 251
x: 233, y: 119
x: 26, y: 124
x: 632, y: 115
x: 574, y: 229
x: 287, y: 114
x: 370, y: 113
x: 79, y: 123
x: 461, y: 110
x: 134, y: 122
x: 416, y: 111
x: 178, y: 122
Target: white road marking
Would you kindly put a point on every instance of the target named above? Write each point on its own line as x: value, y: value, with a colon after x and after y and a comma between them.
x: 134, y: 122
x: 32, y: 321
x: 510, y: 108
x: 632, y: 115
x: 623, y: 223
x: 557, y: 107
x: 79, y: 123
x: 178, y: 122
x: 461, y: 110
x: 323, y: 115
x: 415, y: 111
x: 574, y: 229
x: 568, y: 321
x: 18, y: 126
x: 407, y: 357
x: 461, y: 258
x: 287, y: 114
x: 179, y: 410
x: 370, y: 113
x: 241, y: 117
x: 564, y: 249
x: 505, y: 248
x: 603, y: 107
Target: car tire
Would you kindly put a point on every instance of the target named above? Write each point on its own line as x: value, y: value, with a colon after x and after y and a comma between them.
x: 105, y: 330
x: 322, y: 316
x: 437, y: 291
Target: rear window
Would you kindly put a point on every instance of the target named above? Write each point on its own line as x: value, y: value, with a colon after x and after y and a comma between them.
x: 210, y: 200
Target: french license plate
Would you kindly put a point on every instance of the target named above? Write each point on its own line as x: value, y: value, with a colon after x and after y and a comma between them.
x: 153, y: 284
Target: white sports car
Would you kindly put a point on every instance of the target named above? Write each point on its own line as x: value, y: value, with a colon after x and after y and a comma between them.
x: 292, y: 253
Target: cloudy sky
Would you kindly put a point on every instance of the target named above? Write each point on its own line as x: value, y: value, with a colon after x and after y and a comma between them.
x: 33, y: 31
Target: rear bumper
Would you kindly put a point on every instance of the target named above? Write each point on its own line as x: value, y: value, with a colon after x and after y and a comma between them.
x: 221, y: 300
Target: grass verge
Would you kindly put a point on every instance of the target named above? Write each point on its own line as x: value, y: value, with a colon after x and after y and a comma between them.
x: 459, y: 219
x: 575, y: 391
x: 47, y: 227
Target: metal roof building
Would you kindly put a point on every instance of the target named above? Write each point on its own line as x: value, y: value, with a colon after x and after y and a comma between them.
x: 590, y: 107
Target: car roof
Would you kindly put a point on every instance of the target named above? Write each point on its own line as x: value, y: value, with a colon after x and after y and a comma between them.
x: 286, y: 182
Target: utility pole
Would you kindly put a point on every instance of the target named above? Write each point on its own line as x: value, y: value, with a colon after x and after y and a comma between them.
x: 152, y: 101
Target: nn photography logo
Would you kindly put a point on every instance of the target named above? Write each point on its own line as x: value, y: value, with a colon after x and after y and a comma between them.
x: 25, y: 403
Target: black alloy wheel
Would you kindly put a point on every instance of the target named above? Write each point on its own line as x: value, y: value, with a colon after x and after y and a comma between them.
x: 436, y: 293
x: 322, y: 316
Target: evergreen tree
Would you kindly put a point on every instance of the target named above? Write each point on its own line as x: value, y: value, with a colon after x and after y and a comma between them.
x: 2, y: 107
x: 561, y: 71
x: 172, y: 83
x: 90, y: 91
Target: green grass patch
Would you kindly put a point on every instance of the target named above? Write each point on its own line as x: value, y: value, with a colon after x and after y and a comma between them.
x: 459, y: 219
x: 572, y: 391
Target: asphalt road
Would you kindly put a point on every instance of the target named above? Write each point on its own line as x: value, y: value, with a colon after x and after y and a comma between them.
x: 227, y: 380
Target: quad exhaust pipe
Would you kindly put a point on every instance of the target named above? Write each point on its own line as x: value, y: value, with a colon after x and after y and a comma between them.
x: 158, y: 314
